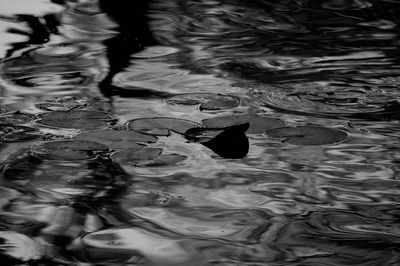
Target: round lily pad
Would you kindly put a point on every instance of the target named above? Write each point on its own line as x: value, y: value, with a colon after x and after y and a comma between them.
x: 15, y: 118
x: 76, y: 119
x: 258, y: 124
x: 135, y: 156
x: 68, y: 150
x: 308, y: 135
x: 161, y: 126
x: 206, y: 101
x: 15, y: 133
x: 117, y: 139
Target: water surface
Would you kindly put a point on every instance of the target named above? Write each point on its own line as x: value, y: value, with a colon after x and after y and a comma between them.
x: 199, y: 132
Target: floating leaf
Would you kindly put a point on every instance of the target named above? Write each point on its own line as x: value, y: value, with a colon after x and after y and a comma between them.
x: 135, y: 156
x: 14, y: 133
x: 258, y: 124
x: 77, y: 119
x: 15, y: 118
x: 207, y: 101
x: 308, y: 135
x: 68, y: 150
x: 117, y: 139
x: 161, y: 126
x: 20, y: 247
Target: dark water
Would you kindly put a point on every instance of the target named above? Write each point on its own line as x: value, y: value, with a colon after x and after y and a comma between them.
x: 199, y: 132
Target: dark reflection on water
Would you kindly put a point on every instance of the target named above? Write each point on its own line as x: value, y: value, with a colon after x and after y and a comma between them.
x: 199, y: 132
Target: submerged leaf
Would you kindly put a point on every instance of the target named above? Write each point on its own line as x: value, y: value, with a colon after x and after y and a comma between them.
x: 161, y: 126
x: 308, y: 135
x: 68, y: 150
x: 77, y: 119
x: 207, y: 101
x: 117, y: 139
x: 15, y: 133
x: 135, y: 156
x: 146, y: 157
x: 258, y: 124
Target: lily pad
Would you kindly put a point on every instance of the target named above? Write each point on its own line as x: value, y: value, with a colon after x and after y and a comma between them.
x: 15, y: 133
x: 117, y: 139
x: 135, y: 156
x: 146, y: 157
x: 161, y: 126
x: 68, y: 150
x: 206, y: 101
x: 258, y: 124
x: 308, y: 135
x: 76, y: 119
x: 15, y: 118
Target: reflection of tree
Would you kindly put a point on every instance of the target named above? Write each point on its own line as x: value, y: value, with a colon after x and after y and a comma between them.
x: 133, y: 36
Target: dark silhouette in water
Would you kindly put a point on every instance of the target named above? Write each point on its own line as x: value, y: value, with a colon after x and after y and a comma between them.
x: 230, y: 142
x: 133, y: 36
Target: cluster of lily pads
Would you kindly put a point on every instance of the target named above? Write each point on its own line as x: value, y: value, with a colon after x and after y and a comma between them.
x: 225, y: 135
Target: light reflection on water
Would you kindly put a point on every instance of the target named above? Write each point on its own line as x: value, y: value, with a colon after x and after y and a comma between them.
x: 316, y: 63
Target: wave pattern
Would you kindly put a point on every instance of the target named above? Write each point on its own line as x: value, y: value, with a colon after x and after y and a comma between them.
x: 81, y: 183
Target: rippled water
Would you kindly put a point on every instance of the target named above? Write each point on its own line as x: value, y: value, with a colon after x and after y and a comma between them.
x: 199, y: 132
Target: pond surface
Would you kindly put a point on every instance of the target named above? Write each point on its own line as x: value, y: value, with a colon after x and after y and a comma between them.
x: 199, y: 132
